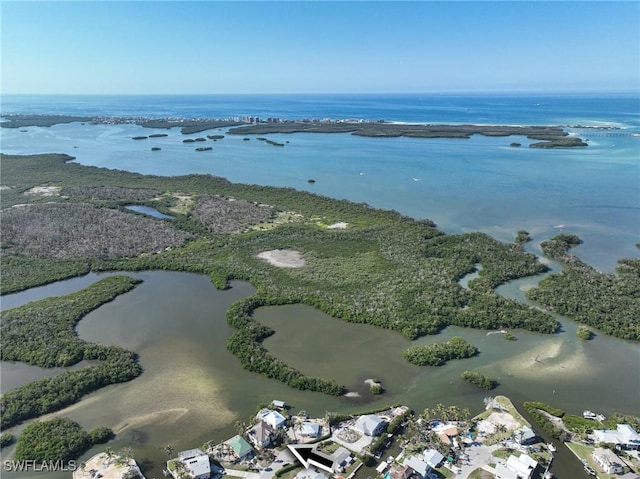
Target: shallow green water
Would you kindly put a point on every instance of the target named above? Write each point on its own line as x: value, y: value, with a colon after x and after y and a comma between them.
x: 193, y: 389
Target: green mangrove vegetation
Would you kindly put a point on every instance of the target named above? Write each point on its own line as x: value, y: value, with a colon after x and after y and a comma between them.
x: 438, y: 354
x: 480, y: 380
x: 383, y: 269
x: 6, y: 439
x: 561, y: 426
x: 584, y: 333
x: 42, y: 333
x: 552, y: 136
x: 607, y: 302
x: 537, y: 411
x: 59, y: 439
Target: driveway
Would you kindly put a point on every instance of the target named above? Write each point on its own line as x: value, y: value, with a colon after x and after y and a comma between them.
x: 478, y: 455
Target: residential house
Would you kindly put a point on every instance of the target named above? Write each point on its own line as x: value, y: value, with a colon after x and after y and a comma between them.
x: 447, y: 434
x: 501, y: 471
x: 398, y: 471
x: 370, y: 425
x: 521, y: 467
x: 524, y: 436
x: 309, y: 429
x: 311, y: 473
x: 624, y: 436
x: 272, y: 418
x: 341, y: 459
x: 607, y: 460
x: 240, y: 447
x: 195, y: 463
x: 432, y: 457
x: 418, y: 466
x: 261, y: 434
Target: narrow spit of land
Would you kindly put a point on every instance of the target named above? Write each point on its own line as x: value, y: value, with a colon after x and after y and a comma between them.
x: 549, y: 136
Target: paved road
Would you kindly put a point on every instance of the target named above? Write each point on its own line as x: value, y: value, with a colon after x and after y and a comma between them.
x: 479, y: 456
x: 285, y: 457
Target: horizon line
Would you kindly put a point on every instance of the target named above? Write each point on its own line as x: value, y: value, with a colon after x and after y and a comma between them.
x: 433, y: 92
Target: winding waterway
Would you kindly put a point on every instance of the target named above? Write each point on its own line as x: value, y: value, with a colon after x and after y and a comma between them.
x: 193, y: 389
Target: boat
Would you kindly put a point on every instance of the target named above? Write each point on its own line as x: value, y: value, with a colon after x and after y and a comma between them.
x: 548, y: 475
x: 591, y: 415
x: 551, y: 447
x: 589, y: 470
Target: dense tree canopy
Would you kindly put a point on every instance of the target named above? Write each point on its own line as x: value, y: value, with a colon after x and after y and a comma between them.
x: 382, y: 269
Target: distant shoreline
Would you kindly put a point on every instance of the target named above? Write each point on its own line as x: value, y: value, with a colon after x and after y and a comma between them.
x: 549, y: 136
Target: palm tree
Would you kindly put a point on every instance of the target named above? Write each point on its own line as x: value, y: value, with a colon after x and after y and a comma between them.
x: 330, y: 418
x: 109, y: 452
x: 240, y: 427
x: 453, y: 413
x: 519, y: 434
x: 428, y: 414
x: 466, y: 414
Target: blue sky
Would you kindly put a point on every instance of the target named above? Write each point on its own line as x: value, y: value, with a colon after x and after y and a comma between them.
x: 318, y: 46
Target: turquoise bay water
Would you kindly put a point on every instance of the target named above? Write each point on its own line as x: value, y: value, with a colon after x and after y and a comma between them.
x: 463, y: 185
x: 479, y: 184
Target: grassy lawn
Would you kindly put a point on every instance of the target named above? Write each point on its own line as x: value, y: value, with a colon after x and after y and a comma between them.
x: 502, y: 453
x: 584, y: 452
x: 352, y: 467
x: 328, y: 447
x: 480, y: 474
x: 444, y: 472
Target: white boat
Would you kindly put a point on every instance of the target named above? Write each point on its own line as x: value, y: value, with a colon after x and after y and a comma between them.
x: 548, y: 475
x: 589, y: 470
x: 551, y: 447
x: 594, y: 416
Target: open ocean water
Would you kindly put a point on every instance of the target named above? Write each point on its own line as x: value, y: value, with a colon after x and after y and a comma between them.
x: 479, y: 184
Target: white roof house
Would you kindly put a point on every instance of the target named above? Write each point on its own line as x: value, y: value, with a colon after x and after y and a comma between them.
x: 524, y: 464
x: 516, y: 468
x: 607, y: 461
x: 432, y: 457
x: 624, y: 435
x: 417, y: 465
x: 196, y: 462
x: 309, y: 429
x: 503, y: 472
x: 311, y: 473
x: 370, y: 424
x: 273, y: 419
